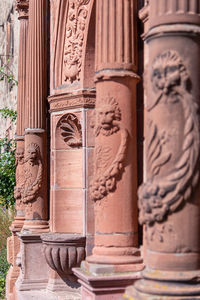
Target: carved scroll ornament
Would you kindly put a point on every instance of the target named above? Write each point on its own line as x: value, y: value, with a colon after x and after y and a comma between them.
x: 33, y: 173
x: 107, y: 123
x: 162, y: 195
x: 75, y: 27
x: 71, y: 130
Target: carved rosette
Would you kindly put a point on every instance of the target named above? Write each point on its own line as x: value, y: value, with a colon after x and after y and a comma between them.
x: 173, y: 150
x: 22, y: 7
x: 70, y: 128
x: 74, y: 39
x: 107, y: 123
x: 63, y: 251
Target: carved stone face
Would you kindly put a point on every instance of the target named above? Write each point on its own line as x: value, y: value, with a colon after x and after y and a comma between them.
x: 32, y: 153
x: 168, y: 72
x: 106, y: 116
x: 19, y: 155
x: 167, y: 77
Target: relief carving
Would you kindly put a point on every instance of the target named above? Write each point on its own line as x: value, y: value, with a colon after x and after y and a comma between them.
x: 33, y: 173
x: 71, y: 130
x: 19, y: 161
x: 22, y: 8
x: 74, y: 38
x: 158, y: 234
x: 107, y: 119
x: 162, y: 195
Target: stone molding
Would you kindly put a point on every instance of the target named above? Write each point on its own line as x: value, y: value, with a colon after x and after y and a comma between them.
x: 69, y: 101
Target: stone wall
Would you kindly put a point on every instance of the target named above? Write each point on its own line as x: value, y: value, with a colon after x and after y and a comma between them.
x: 9, y: 36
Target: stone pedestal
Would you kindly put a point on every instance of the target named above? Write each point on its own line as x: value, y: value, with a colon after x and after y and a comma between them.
x: 34, y: 270
x: 169, y: 198
x: 100, y: 285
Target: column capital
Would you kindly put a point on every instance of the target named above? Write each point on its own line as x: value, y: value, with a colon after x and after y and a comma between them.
x: 22, y: 6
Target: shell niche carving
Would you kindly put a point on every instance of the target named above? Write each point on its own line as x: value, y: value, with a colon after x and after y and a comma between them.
x: 70, y: 128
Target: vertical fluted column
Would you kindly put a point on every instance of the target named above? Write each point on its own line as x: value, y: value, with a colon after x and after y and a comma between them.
x: 169, y: 199
x: 13, y: 244
x: 35, y: 184
x: 114, y: 186
x: 22, y: 7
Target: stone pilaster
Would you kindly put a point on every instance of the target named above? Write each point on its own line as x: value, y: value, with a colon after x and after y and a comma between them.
x: 169, y: 197
x: 13, y: 243
x: 114, y: 186
x: 35, y: 184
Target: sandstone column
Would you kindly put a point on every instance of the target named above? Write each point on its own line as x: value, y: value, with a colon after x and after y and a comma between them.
x: 169, y: 198
x: 34, y: 269
x: 13, y: 241
x: 114, y: 188
x: 34, y: 194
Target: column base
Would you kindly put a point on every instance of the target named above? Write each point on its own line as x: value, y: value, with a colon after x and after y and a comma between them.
x: 34, y: 271
x: 161, y: 285
x: 103, y: 286
x: 36, y: 226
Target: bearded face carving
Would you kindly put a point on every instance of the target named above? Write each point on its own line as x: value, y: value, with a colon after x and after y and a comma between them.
x: 168, y: 77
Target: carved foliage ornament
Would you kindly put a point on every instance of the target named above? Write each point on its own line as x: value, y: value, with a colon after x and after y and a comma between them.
x: 71, y: 130
x: 107, y: 123
x: 74, y: 38
x: 162, y: 195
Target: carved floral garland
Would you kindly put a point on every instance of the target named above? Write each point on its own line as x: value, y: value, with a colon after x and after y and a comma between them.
x: 160, y: 196
x: 107, y: 119
x: 106, y: 183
